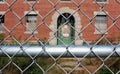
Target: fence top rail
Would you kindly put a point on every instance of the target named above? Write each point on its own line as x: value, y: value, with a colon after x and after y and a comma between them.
x: 56, y: 51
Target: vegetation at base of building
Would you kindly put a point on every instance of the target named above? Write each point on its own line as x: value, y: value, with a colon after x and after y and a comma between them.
x: 18, y: 41
x: 106, y: 41
x: 113, y: 64
x: 44, y: 41
x: 106, y: 71
x: 24, y: 63
x: 119, y: 38
x: 45, y: 63
x: 2, y: 36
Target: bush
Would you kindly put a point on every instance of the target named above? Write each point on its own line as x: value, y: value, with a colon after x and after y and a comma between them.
x: 2, y: 36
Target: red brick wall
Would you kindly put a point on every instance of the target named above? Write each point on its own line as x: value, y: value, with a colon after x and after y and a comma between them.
x: 17, y: 27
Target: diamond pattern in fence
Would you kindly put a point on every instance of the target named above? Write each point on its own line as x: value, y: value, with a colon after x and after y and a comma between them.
x: 59, y: 36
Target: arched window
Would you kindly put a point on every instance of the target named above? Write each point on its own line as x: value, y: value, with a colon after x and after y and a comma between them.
x: 65, y: 28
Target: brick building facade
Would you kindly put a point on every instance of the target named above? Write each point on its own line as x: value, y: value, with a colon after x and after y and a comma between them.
x: 60, y: 22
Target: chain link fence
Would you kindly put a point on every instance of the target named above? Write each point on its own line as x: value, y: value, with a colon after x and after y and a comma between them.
x: 59, y: 36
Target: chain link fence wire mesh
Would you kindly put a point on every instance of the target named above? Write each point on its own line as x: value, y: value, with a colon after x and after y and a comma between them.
x: 59, y: 36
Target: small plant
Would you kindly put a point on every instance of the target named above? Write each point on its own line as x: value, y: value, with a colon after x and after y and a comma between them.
x: 118, y: 38
x: 107, y: 41
x: 2, y: 36
x: 43, y: 40
x: 102, y: 42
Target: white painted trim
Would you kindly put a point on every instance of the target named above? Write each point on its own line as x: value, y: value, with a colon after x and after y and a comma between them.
x: 101, y: 26
x: 2, y: 2
x: 101, y: 2
x: 100, y: 13
x: 28, y: 32
x: 97, y: 32
x: 31, y: 1
x: 2, y: 32
x: 65, y: 1
x: 31, y: 12
x: 53, y: 25
x: 2, y: 12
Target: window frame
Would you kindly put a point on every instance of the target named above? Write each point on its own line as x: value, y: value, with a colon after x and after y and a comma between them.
x: 65, y: 1
x: 101, y: 2
x: 101, y: 19
x: 32, y: 13
x: 26, y: 1
x: 99, y: 26
x: 2, y: 2
x: 2, y: 23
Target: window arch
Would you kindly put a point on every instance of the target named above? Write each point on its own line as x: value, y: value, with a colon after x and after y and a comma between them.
x: 65, y: 26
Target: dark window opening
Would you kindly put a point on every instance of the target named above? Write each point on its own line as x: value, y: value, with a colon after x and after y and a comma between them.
x: 1, y: 18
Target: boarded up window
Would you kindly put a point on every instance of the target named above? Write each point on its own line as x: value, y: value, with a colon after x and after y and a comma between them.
x: 31, y: 22
x: 100, y: 24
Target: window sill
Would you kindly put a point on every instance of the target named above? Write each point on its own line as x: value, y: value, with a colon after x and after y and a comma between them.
x: 29, y: 32
x: 65, y: 1
x: 97, y: 32
x: 31, y: 1
x: 100, y: 28
x: 101, y: 2
x: 2, y: 2
x: 2, y: 32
